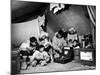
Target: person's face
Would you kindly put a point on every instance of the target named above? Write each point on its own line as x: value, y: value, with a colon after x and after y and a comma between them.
x: 59, y: 36
x: 33, y: 43
x: 72, y: 31
x: 42, y: 49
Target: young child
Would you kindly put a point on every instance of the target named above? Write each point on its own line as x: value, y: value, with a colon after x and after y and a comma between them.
x: 46, y: 42
x: 72, y: 37
x: 26, y: 50
x: 40, y: 57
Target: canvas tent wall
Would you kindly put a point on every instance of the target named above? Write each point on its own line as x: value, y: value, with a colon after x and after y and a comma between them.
x: 23, y: 31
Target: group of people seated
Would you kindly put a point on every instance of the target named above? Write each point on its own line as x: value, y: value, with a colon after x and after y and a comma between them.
x: 43, y: 51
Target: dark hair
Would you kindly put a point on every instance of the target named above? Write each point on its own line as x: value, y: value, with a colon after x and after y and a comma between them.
x: 60, y: 32
x: 41, y: 46
x: 33, y: 39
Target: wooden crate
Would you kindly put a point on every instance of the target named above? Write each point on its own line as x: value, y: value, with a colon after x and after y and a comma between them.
x: 89, y: 62
x: 78, y: 56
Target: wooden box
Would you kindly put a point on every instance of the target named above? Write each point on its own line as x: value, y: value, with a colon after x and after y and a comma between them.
x: 87, y: 57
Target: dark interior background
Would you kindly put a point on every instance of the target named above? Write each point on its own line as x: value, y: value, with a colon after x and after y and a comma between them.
x: 24, y: 13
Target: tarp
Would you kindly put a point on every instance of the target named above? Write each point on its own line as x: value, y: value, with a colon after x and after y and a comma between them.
x: 23, y: 31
